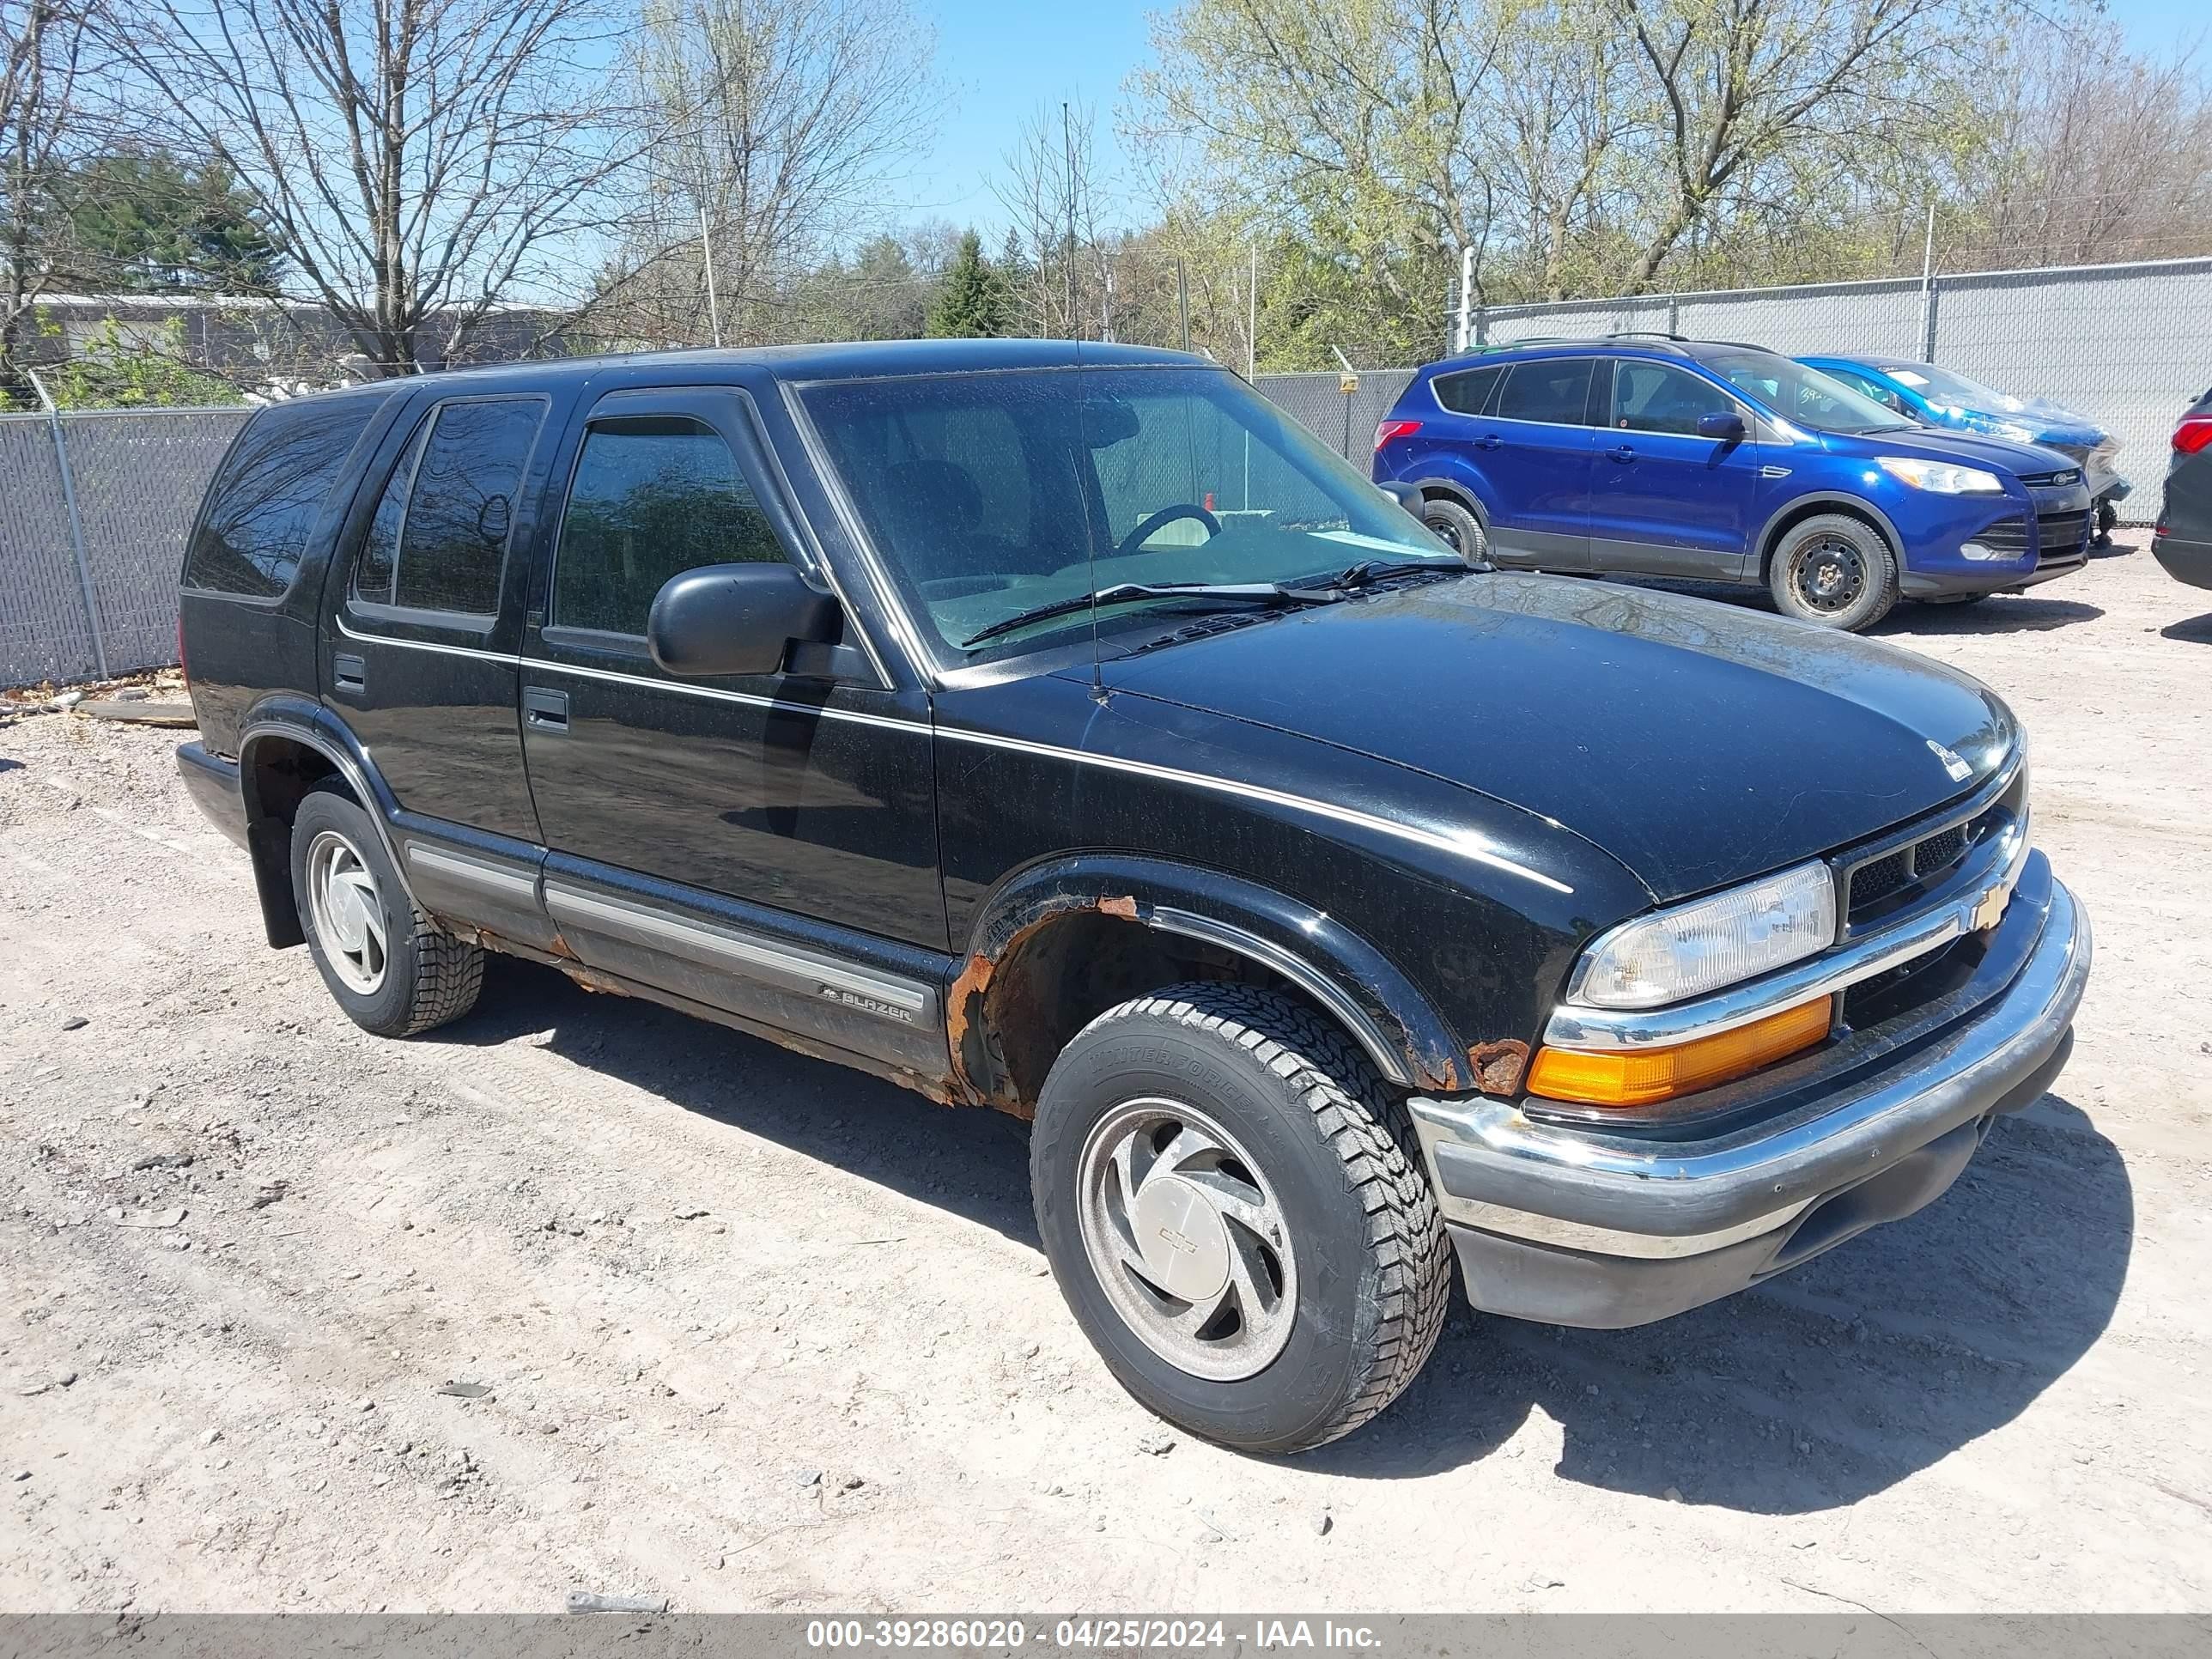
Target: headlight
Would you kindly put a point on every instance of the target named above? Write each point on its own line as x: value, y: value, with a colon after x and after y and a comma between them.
x: 1710, y: 942
x: 1941, y: 477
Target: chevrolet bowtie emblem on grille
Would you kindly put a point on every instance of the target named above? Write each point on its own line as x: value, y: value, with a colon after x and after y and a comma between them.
x: 1957, y: 768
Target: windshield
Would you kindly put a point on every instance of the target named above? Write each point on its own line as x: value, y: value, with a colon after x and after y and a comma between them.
x: 1941, y: 385
x: 1802, y: 396
x: 991, y: 492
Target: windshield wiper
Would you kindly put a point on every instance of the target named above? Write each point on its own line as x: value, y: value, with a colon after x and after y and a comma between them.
x: 1368, y: 571
x: 1252, y: 592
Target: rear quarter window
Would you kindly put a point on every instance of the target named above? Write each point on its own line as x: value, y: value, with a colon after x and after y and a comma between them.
x: 1466, y: 392
x: 268, y: 495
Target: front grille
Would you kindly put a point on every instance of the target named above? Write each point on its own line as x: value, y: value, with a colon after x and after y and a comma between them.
x: 1871, y: 882
x: 2051, y: 480
x: 1873, y: 890
x: 2006, y: 536
x: 2061, y: 535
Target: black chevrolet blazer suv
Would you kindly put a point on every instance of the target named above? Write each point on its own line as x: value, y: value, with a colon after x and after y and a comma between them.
x: 1062, y: 730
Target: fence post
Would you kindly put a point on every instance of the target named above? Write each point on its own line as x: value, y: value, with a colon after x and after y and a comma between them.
x: 1674, y: 313
x: 75, y: 523
x: 1928, y: 308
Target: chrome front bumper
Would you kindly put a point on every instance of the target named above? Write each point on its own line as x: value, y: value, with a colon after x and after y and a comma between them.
x: 1580, y: 1226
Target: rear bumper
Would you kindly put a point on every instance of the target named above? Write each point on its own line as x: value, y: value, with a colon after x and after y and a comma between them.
x: 212, y: 782
x: 1602, y: 1231
x: 2185, y: 562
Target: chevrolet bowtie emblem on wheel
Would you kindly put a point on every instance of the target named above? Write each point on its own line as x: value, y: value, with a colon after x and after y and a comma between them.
x: 1953, y: 764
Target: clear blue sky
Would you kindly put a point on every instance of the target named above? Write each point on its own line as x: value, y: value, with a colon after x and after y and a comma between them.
x: 1002, y: 58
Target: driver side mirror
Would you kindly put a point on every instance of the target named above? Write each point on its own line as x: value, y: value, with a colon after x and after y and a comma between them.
x: 1728, y: 428
x: 736, y: 619
x: 1404, y: 494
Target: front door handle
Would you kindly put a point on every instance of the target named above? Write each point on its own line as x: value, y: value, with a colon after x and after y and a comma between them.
x: 1623, y: 453
x: 1490, y: 440
x: 544, y: 711
x: 349, y: 672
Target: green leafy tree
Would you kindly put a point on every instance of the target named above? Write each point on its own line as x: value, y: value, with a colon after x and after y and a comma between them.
x: 114, y: 370
x: 147, y: 222
x: 972, y: 303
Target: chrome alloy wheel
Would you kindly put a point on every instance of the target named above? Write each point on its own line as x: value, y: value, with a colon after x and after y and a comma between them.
x: 1831, y: 574
x: 1188, y: 1239
x: 349, y: 912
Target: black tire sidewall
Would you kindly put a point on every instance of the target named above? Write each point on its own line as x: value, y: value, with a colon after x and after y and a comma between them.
x: 1437, y: 513
x: 387, y: 1009
x: 1312, y: 1382
x: 1874, y: 600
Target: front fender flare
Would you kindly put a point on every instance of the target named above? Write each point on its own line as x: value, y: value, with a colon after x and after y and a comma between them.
x: 1411, y: 1044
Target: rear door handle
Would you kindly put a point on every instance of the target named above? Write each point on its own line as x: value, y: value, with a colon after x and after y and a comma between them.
x: 1623, y: 453
x: 349, y: 672
x: 1490, y: 440
x: 544, y: 711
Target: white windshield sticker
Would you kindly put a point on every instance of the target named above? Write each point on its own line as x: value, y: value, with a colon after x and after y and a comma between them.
x: 1352, y: 537
x: 1908, y: 377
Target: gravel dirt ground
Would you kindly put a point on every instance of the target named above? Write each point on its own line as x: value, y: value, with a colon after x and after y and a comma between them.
x: 749, y: 1331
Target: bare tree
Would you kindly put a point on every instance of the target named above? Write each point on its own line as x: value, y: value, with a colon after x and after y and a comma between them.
x: 425, y: 162
x: 1048, y: 185
x: 43, y: 46
x: 1732, y: 87
x: 2096, y: 156
x: 784, y: 126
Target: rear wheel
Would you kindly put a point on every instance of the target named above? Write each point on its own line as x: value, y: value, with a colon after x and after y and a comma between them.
x: 387, y: 964
x: 1458, y: 528
x: 1834, y: 570
x: 1235, y: 1208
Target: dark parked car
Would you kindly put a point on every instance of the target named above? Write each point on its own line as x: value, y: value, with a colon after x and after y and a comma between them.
x: 1075, y: 735
x: 1655, y: 456
x: 2184, y: 539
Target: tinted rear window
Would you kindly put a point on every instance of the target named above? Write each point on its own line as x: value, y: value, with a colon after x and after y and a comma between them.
x: 1468, y: 391
x: 263, y: 503
x: 1547, y: 390
x: 453, y: 542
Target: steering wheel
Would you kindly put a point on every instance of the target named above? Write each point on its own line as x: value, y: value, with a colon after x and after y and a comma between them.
x: 1167, y: 515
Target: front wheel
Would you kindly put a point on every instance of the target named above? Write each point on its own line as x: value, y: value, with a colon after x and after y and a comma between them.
x: 1834, y: 570
x: 1235, y: 1210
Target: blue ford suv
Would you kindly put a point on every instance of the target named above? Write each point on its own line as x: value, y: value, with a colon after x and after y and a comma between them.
x: 1663, y: 457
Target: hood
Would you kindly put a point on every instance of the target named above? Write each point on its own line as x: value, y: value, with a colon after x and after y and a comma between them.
x: 1699, y: 743
x: 1933, y: 444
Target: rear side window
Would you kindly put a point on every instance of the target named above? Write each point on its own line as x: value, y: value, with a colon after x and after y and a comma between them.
x: 1547, y: 390
x: 1468, y: 391
x: 654, y: 497
x: 263, y: 503
x: 438, y: 541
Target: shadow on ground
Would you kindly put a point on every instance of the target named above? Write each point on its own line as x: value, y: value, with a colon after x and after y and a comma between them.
x: 1823, y: 1386
x: 2000, y: 613
x: 1832, y: 1382
x: 2198, y: 630
x: 973, y: 1163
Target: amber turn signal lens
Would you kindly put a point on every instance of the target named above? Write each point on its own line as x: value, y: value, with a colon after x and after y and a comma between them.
x: 1647, y: 1075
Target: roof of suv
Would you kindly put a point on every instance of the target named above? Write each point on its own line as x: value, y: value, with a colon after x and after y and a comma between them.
x: 856, y: 359
x: 1630, y: 343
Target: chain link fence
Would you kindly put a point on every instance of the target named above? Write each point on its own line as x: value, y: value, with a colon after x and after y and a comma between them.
x: 2128, y: 346
x: 94, y: 507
